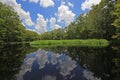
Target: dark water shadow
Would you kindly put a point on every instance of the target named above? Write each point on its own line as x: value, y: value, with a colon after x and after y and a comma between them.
x: 11, y: 58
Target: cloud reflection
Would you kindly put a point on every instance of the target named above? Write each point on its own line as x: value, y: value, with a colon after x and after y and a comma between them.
x: 61, y: 62
x: 48, y: 77
x: 90, y: 75
x: 26, y: 67
x: 42, y: 58
x: 66, y: 66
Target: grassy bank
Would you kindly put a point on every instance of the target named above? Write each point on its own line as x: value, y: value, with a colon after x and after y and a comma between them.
x: 53, y: 43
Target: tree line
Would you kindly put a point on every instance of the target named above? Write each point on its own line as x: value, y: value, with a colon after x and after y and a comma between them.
x: 101, y: 22
x: 11, y: 28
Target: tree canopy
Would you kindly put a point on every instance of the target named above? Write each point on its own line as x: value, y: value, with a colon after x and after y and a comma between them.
x: 116, y: 22
x: 101, y: 22
x: 97, y: 23
x: 11, y: 28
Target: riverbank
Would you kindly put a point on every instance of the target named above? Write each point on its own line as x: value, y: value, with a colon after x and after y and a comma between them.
x: 87, y: 42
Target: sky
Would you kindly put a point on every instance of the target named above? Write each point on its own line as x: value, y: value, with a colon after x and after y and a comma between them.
x: 46, y: 15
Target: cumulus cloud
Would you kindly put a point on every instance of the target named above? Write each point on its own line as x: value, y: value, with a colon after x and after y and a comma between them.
x: 53, y: 24
x: 65, y: 14
x: 35, y: 1
x: 24, y: 16
x: 41, y: 24
x: 27, y: 19
x: 89, y: 3
x: 46, y: 3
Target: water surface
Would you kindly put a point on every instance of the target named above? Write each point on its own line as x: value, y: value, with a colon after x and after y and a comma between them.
x: 22, y: 62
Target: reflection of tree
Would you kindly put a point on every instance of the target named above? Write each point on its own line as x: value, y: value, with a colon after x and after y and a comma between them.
x: 116, y: 61
x: 11, y: 57
x: 98, y: 60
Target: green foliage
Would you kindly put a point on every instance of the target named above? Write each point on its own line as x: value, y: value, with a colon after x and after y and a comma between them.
x: 11, y: 28
x: 94, y: 24
x: 56, y: 34
x: 116, y: 22
x: 53, y: 43
x: 30, y: 35
x: 8, y: 22
x: 100, y: 18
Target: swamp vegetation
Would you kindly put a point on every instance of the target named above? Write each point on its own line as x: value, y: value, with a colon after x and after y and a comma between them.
x: 86, y: 49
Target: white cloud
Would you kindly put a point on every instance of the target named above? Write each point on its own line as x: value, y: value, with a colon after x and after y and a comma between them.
x: 65, y: 14
x: 70, y: 4
x: 53, y: 24
x: 46, y: 3
x: 35, y: 1
x: 89, y: 3
x: 24, y: 16
x: 66, y: 2
x: 41, y: 24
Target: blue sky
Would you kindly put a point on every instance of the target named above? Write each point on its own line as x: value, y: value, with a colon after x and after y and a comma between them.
x: 46, y: 15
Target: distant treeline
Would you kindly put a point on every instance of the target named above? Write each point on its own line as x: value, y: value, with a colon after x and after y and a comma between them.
x: 101, y: 22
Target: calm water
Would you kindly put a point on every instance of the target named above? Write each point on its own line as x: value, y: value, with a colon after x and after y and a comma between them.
x: 22, y: 62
